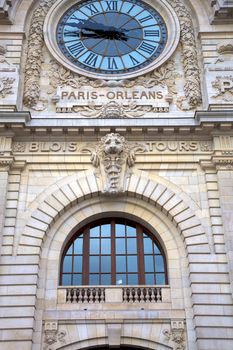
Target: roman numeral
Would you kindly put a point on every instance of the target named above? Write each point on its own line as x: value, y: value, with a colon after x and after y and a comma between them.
x: 112, y: 63
x: 152, y: 33
x: 111, y: 6
x: 144, y: 19
x: 67, y: 33
x: 148, y: 48
x: 131, y: 8
x: 76, y: 18
x: 134, y: 61
x: 92, y: 8
x: 76, y: 49
x: 91, y: 59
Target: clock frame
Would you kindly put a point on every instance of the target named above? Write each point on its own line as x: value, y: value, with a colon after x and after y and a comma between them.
x: 59, y: 52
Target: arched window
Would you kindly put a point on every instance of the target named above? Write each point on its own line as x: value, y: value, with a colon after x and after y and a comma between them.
x: 113, y: 252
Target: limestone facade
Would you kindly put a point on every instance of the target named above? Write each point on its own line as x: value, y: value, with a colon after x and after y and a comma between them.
x: 174, y: 161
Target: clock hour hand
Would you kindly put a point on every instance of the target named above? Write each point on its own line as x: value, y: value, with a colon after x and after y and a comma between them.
x: 108, y: 32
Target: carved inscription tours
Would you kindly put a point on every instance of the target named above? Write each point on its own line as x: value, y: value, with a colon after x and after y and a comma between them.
x: 74, y: 147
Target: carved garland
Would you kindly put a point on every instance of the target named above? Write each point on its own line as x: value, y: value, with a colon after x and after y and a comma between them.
x: 34, y: 54
x: 192, y: 87
x: 192, y: 96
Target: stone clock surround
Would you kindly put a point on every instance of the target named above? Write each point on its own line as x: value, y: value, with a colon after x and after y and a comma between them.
x: 164, y: 9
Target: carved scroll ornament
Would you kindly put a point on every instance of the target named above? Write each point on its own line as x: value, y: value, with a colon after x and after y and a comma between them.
x: 113, y: 156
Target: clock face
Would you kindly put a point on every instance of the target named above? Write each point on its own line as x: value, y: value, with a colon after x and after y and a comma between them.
x: 111, y: 37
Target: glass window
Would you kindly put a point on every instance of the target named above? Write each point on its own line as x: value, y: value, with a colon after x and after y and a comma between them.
x: 114, y: 251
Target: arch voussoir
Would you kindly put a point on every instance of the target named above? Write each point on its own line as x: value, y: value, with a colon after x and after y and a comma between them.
x: 83, y: 187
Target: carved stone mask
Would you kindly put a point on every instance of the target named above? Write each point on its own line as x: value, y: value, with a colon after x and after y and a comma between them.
x: 113, y: 143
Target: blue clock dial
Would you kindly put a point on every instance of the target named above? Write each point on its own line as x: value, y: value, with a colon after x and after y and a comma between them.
x: 110, y: 37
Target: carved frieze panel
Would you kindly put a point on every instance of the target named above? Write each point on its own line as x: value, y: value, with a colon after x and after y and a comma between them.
x: 73, y: 147
x: 9, y: 80
x: 176, y: 335
x: 219, y: 78
x: 53, y: 337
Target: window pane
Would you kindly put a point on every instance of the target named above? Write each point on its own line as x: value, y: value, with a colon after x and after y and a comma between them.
x: 106, y: 279
x: 78, y: 246
x: 105, y: 246
x: 156, y: 249
x: 94, y: 246
x: 106, y: 230
x: 95, y: 231
x: 149, y: 278
x: 133, y: 279
x: 105, y: 264
x: 120, y: 263
x: 66, y: 280
x: 120, y: 279
x: 132, y: 263
x: 120, y: 230
x: 131, y: 246
x: 159, y: 264
x: 69, y: 251
x: 67, y: 264
x: 77, y: 280
x: 160, y: 278
x: 94, y: 264
x: 78, y: 263
x: 120, y: 246
x: 149, y: 263
x: 131, y: 231
x: 94, y: 280
x: 147, y: 246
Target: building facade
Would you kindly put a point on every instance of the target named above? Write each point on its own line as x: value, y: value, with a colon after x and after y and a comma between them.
x: 116, y: 174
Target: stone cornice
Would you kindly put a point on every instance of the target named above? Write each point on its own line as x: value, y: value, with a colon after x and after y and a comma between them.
x: 204, y: 122
x: 222, y: 11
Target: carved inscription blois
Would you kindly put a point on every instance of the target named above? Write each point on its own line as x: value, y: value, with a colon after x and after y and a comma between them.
x: 153, y: 147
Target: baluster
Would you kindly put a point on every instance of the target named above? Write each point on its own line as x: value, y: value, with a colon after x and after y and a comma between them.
x: 90, y: 295
x: 85, y: 295
x: 159, y: 293
x: 123, y: 295
x: 68, y: 295
x: 147, y: 295
x: 79, y: 295
x: 94, y: 295
x: 139, y: 293
x: 130, y: 295
x: 153, y: 294
x: 102, y: 295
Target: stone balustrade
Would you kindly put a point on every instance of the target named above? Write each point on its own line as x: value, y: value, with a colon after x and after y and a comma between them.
x: 113, y: 294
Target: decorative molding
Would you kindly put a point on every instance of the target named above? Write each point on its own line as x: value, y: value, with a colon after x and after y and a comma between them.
x: 176, y: 335
x: 222, y: 11
x: 52, y: 335
x: 6, y: 86
x: 5, y: 9
x: 223, y: 163
x: 113, y: 110
x: 113, y: 156
x: 6, y: 163
x: 192, y: 87
x: 34, y: 55
x: 224, y: 87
